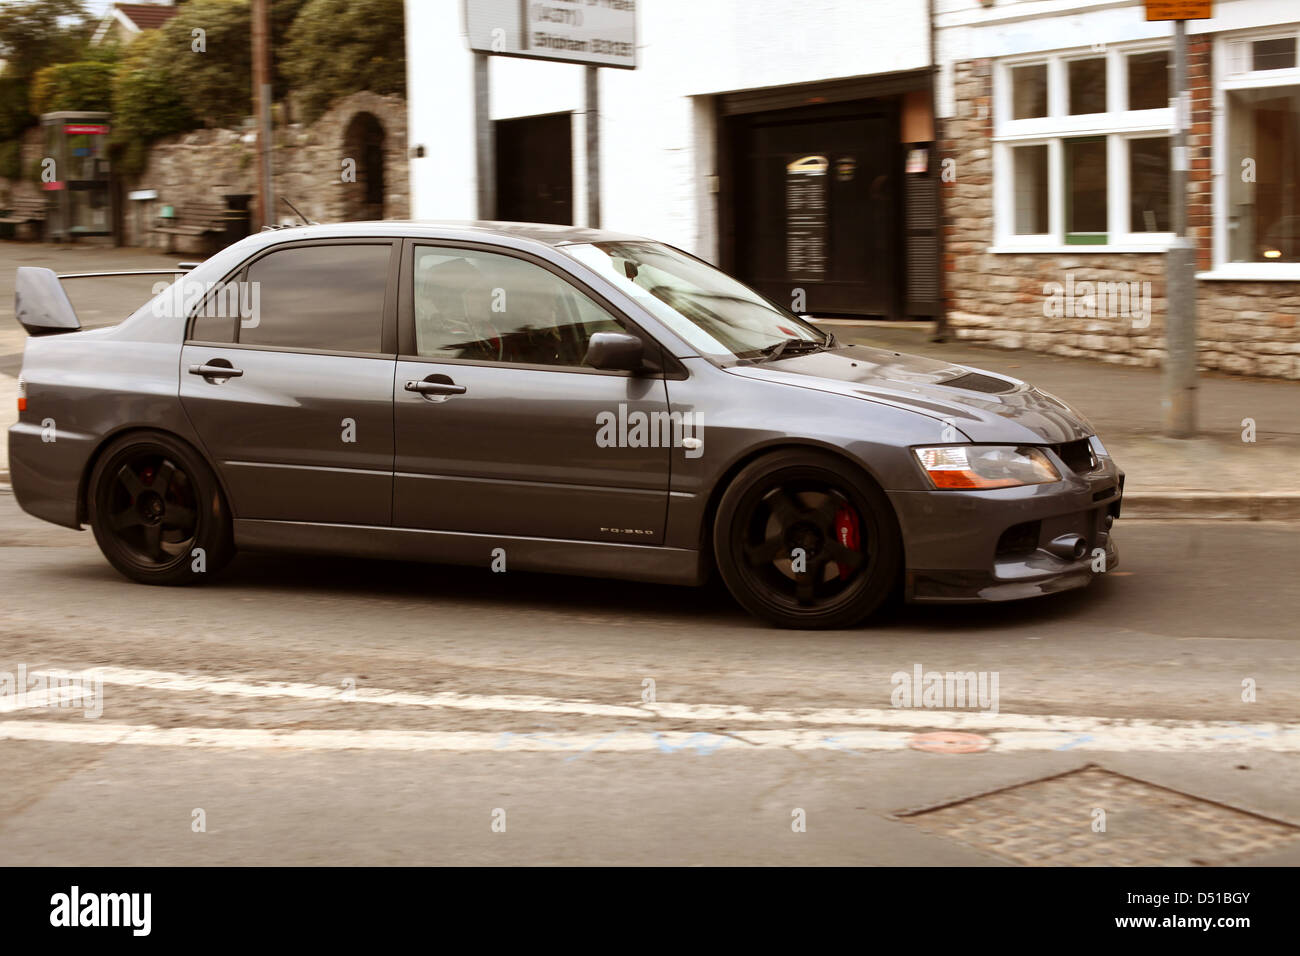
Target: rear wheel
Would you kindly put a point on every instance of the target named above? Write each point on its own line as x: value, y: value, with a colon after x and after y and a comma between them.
x: 157, y: 511
x: 805, y: 540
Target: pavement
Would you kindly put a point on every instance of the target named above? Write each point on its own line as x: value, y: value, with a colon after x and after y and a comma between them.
x: 1217, y: 475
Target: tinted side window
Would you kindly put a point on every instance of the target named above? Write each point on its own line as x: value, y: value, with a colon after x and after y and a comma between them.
x: 496, y: 308
x: 318, y: 297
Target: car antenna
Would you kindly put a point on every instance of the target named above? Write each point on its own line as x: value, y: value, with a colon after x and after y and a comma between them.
x: 305, y: 220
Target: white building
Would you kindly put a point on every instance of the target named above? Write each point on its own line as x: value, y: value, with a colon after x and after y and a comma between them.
x: 697, y: 142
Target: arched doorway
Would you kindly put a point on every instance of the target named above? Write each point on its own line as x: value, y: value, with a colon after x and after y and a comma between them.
x: 363, y: 143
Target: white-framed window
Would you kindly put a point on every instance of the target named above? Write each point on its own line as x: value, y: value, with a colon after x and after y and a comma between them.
x: 1257, y: 150
x: 1081, y: 150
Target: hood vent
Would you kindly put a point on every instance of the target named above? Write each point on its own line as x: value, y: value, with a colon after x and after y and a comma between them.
x: 977, y: 382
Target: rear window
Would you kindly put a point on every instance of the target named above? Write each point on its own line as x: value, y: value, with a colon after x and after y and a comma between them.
x: 318, y: 297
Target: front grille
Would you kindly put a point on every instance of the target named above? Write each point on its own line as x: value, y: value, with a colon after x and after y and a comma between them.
x: 976, y: 382
x: 1077, y: 455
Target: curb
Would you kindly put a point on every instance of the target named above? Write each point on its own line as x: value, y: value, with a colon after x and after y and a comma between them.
x: 1166, y: 505
x: 1263, y: 506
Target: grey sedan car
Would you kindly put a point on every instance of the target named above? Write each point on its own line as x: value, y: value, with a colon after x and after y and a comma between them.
x: 544, y: 398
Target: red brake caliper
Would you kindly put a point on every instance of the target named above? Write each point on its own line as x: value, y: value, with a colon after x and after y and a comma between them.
x: 846, y: 529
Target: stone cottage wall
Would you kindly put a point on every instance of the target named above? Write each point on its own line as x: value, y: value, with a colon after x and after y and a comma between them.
x: 1001, y: 300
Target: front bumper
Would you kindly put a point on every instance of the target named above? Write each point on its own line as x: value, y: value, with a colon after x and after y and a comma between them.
x: 974, y: 546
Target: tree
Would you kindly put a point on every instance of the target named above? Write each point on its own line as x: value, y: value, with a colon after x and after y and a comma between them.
x: 337, y: 47
x: 37, y: 33
x: 72, y: 86
x: 147, y: 102
x: 213, y: 68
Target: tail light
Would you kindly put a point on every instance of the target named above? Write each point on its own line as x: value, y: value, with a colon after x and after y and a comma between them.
x: 22, y: 394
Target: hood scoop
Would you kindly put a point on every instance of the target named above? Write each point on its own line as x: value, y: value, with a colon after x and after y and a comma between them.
x: 978, y: 382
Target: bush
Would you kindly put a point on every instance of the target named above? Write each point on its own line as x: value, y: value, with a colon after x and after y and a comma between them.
x: 11, y: 162
x: 216, y: 84
x: 72, y: 86
x: 337, y: 47
x: 14, y: 113
x: 146, y: 101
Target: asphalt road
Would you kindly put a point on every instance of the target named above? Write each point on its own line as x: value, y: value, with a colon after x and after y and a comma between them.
x: 520, y: 699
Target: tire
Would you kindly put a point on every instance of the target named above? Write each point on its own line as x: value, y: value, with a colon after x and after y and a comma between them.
x: 152, y: 500
x: 812, y: 501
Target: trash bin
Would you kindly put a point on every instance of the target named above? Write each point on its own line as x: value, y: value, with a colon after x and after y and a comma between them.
x: 237, y: 216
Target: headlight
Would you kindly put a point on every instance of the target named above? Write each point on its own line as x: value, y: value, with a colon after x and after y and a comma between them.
x: 986, y: 466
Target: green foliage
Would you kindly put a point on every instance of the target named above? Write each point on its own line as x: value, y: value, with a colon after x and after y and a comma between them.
x: 337, y: 47
x: 37, y: 33
x: 147, y: 103
x: 11, y: 163
x: 215, y: 84
x: 14, y: 113
x: 72, y: 86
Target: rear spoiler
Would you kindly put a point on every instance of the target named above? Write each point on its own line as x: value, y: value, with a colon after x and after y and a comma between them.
x: 43, y: 307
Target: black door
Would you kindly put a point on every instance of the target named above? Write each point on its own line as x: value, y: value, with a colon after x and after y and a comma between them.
x: 816, y: 209
x: 535, y: 169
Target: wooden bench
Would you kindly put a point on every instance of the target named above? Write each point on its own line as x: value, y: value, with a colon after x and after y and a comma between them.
x: 22, y: 212
x: 196, y: 220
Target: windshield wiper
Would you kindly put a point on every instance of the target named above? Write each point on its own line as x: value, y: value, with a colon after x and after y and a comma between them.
x: 770, y: 353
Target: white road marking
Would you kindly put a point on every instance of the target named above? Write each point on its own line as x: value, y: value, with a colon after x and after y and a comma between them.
x: 166, y: 681
x: 620, y: 741
x: 974, y: 721
x: 731, y: 727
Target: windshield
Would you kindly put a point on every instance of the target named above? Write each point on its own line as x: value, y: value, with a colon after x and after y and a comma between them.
x: 719, y: 316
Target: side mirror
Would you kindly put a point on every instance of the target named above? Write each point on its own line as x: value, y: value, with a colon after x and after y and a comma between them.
x: 615, y: 352
x: 41, y: 305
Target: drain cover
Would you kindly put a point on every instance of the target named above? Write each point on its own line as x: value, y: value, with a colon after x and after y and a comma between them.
x: 1050, y: 822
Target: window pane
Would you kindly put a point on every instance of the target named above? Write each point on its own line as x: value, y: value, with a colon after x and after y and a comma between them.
x: 321, y: 297
x: 1085, y: 199
x: 1031, y: 190
x: 495, y: 308
x: 1264, y: 185
x: 1087, y: 86
x: 1029, y: 91
x: 1276, y: 54
x: 1148, y: 177
x: 1148, y: 80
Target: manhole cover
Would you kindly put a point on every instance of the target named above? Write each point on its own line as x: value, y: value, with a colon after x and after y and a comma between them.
x: 1050, y: 822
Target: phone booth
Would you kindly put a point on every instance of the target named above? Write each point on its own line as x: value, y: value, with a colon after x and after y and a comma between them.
x: 76, y: 182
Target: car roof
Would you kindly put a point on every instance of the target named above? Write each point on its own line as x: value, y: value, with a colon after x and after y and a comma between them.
x: 469, y: 229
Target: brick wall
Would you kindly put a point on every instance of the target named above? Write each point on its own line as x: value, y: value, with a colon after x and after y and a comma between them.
x: 1243, y: 327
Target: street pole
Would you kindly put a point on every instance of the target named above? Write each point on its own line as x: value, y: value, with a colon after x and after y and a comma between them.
x: 262, y: 101
x: 484, y: 141
x: 593, y: 147
x: 1179, y: 401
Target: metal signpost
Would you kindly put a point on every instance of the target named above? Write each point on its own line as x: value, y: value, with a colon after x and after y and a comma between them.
x: 1179, y: 400
x: 594, y: 33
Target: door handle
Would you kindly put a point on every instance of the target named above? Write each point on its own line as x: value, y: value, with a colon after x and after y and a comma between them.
x: 216, y: 371
x: 435, y: 388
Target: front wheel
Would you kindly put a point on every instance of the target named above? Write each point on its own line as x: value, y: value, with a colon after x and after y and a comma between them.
x: 157, y: 511
x: 805, y: 540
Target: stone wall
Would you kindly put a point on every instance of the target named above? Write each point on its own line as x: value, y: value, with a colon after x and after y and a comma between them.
x: 206, y: 165
x: 1003, y: 299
